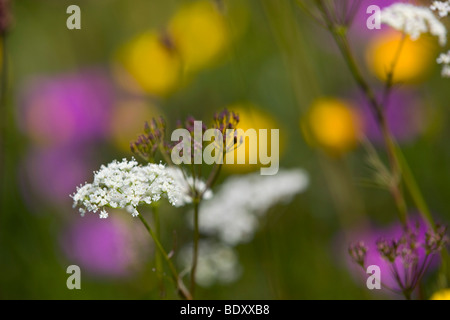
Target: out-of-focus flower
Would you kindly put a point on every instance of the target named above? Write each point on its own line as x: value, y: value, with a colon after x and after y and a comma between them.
x: 442, y: 7
x: 200, y: 34
x: 443, y: 294
x: 126, y: 185
x: 414, y: 21
x: 412, y: 64
x: 105, y: 248
x: 66, y: 109
x: 52, y: 173
x: 5, y: 16
x: 252, y: 117
x: 217, y: 263
x: 127, y: 116
x: 232, y: 214
x: 444, y: 59
x: 187, y: 184
x: 360, y: 22
x: 333, y: 125
x: 405, y: 115
x: 401, y: 254
x: 149, y: 63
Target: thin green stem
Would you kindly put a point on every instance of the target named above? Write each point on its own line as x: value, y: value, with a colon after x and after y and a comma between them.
x: 413, y: 187
x: 4, y: 108
x: 184, y: 293
x: 158, y: 256
x: 341, y: 40
x: 195, y: 249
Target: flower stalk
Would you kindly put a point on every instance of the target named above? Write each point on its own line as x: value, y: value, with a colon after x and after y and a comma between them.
x: 182, y: 290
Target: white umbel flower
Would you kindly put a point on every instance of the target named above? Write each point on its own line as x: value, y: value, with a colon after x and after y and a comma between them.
x: 414, y: 21
x: 444, y: 59
x: 445, y: 71
x: 126, y: 185
x: 442, y: 7
x: 217, y: 263
x: 187, y: 185
x: 232, y: 215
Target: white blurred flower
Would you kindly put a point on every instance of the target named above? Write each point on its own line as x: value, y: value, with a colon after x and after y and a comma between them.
x: 414, y: 21
x: 217, y: 263
x: 444, y: 59
x: 442, y: 7
x: 232, y: 215
x: 445, y: 71
x: 126, y: 185
x: 187, y: 184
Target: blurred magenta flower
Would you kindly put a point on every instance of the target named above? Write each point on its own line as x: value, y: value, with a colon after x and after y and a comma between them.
x: 104, y: 247
x: 407, y: 250
x: 66, y: 108
x: 52, y: 173
x: 405, y: 113
x: 359, y: 26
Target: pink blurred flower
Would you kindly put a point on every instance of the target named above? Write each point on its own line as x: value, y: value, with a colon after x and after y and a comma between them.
x: 104, y: 247
x: 66, y: 108
x: 405, y: 260
x: 405, y: 115
x: 51, y: 174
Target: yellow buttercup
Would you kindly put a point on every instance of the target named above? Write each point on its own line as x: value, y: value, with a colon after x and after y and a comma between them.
x: 441, y: 295
x: 152, y: 63
x: 200, y: 34
x: 251, y: 117
x: 414, y: 62
x: 333, y: 125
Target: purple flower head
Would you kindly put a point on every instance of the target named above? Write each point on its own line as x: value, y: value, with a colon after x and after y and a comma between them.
x: 402, y: 254
x: 52, y: 173
x: 66, y: 109
x: 104, y: 247
x: 405, y: 116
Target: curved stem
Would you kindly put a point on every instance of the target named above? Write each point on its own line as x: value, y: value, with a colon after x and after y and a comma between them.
x: 184, y: 293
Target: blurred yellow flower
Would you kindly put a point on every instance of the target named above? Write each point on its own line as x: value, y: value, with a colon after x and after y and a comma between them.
x: 333, y: 125
x: 152, y: 64
x: 441, y: 295
x: 128, y: 121
x: 200, y: 34
x: 251, y: 117
x: 414, y: 62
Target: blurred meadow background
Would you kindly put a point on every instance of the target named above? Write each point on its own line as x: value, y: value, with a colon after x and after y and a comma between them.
x: 74, y: 99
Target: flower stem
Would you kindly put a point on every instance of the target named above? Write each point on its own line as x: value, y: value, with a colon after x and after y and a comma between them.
x: 195, y: 249
x: 339, y: 35
x: 158, y: 256
x: 183, y: 292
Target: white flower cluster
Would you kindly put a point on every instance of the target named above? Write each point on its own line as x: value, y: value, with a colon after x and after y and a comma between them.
x: 444, y: 59
x: 187, y: 185
x: 126, y: 185
x: 233, y: 213
x: 414, y: 21
x: 216, y: 263
x: 442, y: 7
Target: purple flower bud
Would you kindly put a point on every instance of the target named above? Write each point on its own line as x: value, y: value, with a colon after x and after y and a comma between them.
x: 146, y: 128
x: 387, y: 249
x: 358, y: 252
x: 435, y: 240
